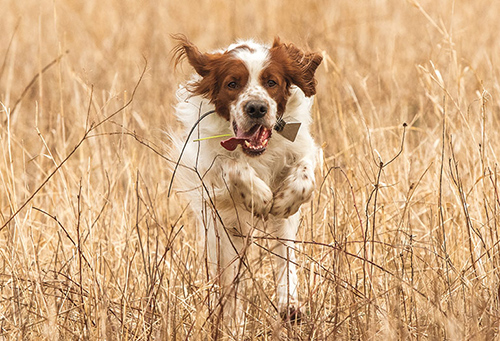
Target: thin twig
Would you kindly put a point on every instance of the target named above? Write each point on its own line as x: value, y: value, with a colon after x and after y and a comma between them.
x: 2, y: 69
x: 77, y: 146
x: 30, y: 84
x: 184, y: 147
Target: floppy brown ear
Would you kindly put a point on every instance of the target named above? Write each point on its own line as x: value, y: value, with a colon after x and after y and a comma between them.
x: 301, y: 66
x: 185, y: 49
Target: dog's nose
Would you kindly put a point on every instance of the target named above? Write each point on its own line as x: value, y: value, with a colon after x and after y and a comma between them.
x: 255, y: 108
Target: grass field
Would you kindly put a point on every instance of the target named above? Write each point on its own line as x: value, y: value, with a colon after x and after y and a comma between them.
x: 401, y: 238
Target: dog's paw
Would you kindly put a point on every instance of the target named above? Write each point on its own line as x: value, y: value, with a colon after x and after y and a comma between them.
x: 292, y: 315
x: 257, y: 198
x: 296, y: 190
x: 249, y: 190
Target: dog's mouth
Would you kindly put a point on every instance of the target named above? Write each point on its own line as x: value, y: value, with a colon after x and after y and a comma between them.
x: 253, y: 142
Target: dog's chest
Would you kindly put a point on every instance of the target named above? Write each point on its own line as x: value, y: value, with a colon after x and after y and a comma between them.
x: 271, y: 168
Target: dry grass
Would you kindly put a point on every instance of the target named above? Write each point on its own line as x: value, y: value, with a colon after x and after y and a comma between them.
x: 92, y: 248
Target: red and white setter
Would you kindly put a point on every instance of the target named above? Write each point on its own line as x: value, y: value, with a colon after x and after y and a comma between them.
x: 254, y: 177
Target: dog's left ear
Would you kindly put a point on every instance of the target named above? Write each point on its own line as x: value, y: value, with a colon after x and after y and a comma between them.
x: 300, y: 66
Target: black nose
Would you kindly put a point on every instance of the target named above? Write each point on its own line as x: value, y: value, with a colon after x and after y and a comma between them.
x: 256, y: 109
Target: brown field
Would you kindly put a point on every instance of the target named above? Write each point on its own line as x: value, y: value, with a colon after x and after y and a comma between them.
x: 401, y: 238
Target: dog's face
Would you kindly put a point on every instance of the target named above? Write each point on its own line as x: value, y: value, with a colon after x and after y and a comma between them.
x: 249, y: 84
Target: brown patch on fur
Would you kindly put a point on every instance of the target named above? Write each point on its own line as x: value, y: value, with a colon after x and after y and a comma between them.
x: 299, y: 66
x: 226, y: 70
x: 275, y: 71
x: 186, y: 49
x: 243, y: 47
x: 217, y: 70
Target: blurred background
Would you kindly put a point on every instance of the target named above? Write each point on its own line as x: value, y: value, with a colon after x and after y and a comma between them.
x: 91, y: 247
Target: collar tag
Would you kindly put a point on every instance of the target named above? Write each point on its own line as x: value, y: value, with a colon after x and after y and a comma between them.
x: 288, y: 130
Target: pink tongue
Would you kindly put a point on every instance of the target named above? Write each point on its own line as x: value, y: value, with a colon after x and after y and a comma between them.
x: 240, y: 138
x: 231, y: 143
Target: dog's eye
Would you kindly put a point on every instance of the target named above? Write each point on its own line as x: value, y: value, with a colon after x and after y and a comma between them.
x: 271, y: 83
x: 232, y: 85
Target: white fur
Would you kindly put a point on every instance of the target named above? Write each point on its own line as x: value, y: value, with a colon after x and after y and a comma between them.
x: 263, y: 192
x: 255, y: 61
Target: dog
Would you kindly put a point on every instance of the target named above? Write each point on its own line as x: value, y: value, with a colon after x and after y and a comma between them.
x: 242, y: 172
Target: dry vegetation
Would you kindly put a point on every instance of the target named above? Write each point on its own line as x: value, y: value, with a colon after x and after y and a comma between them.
x: 399, y: 242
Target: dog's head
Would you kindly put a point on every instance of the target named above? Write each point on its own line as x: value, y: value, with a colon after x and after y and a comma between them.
x: 249, y: 85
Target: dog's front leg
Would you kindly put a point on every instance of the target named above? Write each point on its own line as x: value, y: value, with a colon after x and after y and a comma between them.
x: 286, y: 272
x: 225, y: 262
x: 295, y: 189
x: 247, y: 188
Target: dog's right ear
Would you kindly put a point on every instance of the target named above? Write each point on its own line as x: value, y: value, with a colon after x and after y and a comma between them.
x: 186, y: 49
